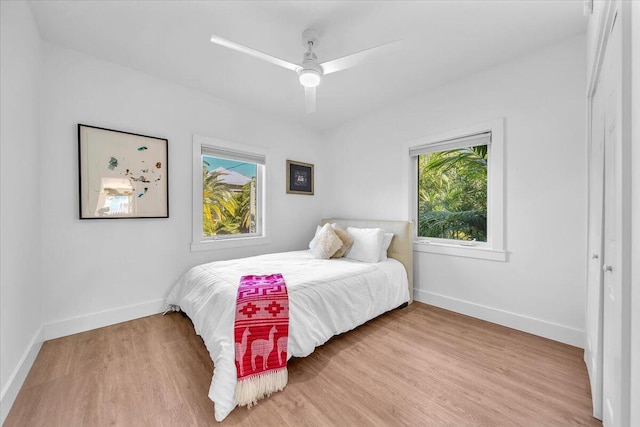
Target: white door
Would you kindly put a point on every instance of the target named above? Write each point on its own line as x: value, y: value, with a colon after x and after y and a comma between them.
x: 613, y: 381
x: 593, y: 324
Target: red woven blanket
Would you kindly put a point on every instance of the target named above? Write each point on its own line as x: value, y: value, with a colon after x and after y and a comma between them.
x: 261, y: 335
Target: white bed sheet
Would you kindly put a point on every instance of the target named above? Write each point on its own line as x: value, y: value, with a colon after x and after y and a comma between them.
x: 326, y: 298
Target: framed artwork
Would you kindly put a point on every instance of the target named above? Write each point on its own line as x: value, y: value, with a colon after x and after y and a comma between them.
x: 299, y: 178
x: 122, y: 174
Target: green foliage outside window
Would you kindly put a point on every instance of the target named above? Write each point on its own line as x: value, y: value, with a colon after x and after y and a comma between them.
x: 452, y: 194
x: 227, y: 209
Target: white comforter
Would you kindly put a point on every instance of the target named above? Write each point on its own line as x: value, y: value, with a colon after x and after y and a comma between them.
x: 326, y: 298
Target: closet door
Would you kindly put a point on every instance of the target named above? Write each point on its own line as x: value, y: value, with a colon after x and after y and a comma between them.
x: 614, y: 378
x: 594, y: 300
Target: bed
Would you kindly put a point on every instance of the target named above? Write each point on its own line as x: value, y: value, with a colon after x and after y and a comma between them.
x: 326, y: 298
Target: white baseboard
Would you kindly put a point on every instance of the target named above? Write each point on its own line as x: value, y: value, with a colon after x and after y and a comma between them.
x: 553, y: 331
x: 19, y: 374
x: 100, y: 319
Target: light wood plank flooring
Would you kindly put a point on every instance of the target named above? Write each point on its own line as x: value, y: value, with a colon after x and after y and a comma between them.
x: 420, y: 366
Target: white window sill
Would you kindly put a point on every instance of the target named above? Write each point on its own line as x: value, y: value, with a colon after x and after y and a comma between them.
x: 478, y: 252
x: 212, y: 245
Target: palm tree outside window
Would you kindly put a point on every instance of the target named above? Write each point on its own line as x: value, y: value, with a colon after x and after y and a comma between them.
x: 452, y: 194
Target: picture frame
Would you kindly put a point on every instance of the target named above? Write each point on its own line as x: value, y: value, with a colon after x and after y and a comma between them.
x: 299, y: 178
x: 122, y: 174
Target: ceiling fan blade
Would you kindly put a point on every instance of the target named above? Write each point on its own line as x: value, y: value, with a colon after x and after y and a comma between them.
x: 310, y: 99
x: 255, y: 53
x: 362, y: 56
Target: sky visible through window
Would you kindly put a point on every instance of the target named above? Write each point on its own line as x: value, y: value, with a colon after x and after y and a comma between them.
x: 247, y: 169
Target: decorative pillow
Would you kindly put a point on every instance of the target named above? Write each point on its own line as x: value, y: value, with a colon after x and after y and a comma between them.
x: 347, y: 240
x: 385, y: 246
x: 325, y: 243
x: 367, y: 244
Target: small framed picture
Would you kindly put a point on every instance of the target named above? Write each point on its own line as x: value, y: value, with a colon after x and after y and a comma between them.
x: 122, y: 174
x: 299, y: 178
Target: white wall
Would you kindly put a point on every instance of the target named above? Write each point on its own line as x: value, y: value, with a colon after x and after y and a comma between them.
x: 103, y: 271
x: 20, y: 288
x: 542, y: 98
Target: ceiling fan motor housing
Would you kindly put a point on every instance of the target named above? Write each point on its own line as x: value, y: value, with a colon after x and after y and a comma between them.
x: 310, y: 71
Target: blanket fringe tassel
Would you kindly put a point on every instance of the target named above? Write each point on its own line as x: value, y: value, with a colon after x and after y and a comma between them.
x: 250, y: 390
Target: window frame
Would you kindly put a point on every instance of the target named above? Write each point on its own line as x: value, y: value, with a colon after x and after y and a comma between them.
x: 493, y: 248
x: 204, y: 243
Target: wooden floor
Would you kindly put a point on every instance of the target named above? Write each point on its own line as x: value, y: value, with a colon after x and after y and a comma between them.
x: 420, y: 366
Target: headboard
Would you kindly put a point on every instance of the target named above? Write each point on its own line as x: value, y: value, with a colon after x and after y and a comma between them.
x: 401, y: 246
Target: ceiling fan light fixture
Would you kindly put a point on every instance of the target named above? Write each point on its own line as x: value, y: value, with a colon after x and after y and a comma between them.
x: 309, y: 78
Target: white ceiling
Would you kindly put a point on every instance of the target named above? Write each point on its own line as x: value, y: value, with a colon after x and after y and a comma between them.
x: 443, y: 41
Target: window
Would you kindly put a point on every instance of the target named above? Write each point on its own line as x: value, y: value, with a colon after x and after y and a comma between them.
x: 457, y: 192
x: 228, y: 195
x: 452, y: 189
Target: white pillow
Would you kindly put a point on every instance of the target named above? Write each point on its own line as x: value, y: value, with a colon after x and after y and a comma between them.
x: 367, y: 244
x: 325, y: 243
x: 385, y: 246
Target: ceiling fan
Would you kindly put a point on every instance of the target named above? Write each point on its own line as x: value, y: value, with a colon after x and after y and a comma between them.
x: 310, y: 72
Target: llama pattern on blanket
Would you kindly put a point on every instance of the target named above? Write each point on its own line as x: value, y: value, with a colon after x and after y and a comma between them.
x: 261, y: 335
